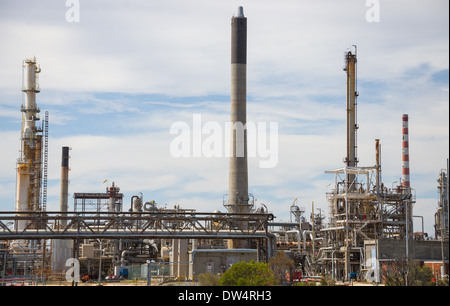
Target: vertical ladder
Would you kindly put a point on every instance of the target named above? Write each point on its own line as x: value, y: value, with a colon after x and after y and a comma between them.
x: 45, y: 160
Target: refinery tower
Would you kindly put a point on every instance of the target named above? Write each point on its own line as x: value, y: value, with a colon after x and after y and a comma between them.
x: 32, y: 164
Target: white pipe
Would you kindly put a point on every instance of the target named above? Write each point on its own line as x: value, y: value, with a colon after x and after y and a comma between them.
x: 304, y: 237
x: 298, y: 236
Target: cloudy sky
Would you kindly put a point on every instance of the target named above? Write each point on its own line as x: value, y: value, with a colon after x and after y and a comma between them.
x: 116, y: 81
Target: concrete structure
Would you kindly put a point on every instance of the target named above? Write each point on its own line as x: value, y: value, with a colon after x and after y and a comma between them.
x: 61, y: 250
x: 217, y: 260
x: 238, y: 199
x: 380, y: 254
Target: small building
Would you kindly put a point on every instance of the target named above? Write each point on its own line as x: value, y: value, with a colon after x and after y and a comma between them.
x: 381, y: 253
x: 218, y: 260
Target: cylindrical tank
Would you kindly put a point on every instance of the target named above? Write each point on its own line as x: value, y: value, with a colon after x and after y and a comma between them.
x: 22, y: 199
x: 113, y: 193
x: 61, y: 251
x: 30, y: 88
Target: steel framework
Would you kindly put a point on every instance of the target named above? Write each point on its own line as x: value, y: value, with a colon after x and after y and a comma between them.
x: 176, y: 225
x: 362, y: 209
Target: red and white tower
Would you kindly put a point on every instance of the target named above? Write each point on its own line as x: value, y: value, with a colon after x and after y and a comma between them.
x: 405, y: 153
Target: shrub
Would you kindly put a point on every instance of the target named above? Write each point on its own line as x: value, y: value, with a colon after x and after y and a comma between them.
x: 401, y: 273
x: 327, y: 281
x: 208, y: 279
x: 248, y: 274
x: 306, y: 283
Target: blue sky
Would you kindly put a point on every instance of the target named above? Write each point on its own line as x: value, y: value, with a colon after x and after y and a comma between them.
x: 115, y: 82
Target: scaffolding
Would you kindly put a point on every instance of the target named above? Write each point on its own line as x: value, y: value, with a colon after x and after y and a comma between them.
x: 441, y: 216
x: 362, y: 209
x: 45, y: 163
x: 94, y: 202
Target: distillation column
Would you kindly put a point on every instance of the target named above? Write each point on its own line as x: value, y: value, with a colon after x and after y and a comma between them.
x: 238, y: 171
x: 441, y: 216
x: 113, y: 202
x: 351, y: 159
x: 29, y: 165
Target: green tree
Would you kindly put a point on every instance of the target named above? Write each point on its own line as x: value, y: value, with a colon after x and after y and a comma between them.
x: 208, y: 279
x: 280, y: 264
x: 421, y: 276
x: 248, y: 274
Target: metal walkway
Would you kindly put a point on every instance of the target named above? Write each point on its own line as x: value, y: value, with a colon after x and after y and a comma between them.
x: 162, y: 225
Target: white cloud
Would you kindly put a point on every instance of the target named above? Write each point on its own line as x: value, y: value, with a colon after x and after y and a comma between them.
x: 181, y: 49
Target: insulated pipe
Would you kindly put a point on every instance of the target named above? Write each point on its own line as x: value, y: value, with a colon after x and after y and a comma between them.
x: 304, y: 238
x: 299, y: 236
x: 132, y: 201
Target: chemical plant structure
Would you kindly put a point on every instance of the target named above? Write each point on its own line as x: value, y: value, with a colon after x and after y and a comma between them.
x: 108, y: 237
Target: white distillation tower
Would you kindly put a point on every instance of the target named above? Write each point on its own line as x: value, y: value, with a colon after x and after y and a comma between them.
x: 29, y: 165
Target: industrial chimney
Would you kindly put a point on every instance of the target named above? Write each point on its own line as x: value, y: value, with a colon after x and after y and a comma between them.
x: 405, y: 153
x: 64, y: 194
x: 238, y: 172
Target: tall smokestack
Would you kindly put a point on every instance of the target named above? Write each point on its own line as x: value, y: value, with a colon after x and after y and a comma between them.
x: 405, y: 154
x: 406, y: 185
x: 64, y: 194
x: 378, y: 164
x: 238, y: 171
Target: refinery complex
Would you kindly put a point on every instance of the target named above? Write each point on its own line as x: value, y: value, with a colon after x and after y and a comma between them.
x: 106, y: 236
